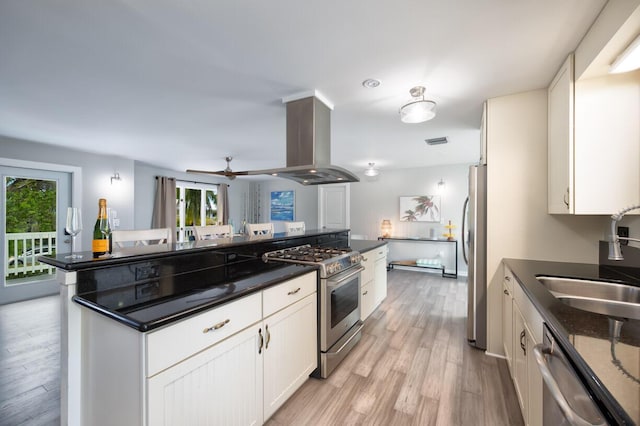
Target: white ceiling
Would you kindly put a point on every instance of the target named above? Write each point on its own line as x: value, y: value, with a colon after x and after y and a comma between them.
x: 182, y: 84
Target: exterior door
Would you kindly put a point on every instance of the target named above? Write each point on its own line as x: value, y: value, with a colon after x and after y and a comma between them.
x: 32, y: 220
x: 334, y: 206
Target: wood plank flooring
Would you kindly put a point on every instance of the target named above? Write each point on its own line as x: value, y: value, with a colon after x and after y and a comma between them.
x: 30, y: 362
x: 413, y: 366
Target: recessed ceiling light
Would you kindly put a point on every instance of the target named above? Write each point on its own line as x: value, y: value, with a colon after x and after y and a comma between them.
x: 371, y: 83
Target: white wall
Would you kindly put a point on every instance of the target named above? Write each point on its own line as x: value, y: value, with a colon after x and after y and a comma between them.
x: 306, y: 202
x: 96, y: 173
x: 373, y: 201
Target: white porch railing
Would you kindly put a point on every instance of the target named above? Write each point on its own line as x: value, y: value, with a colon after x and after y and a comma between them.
x: 22, y: 251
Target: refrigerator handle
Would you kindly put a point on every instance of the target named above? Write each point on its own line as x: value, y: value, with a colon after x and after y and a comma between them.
x: 464, y: 245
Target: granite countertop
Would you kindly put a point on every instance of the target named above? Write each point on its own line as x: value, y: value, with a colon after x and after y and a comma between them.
x: 611, y: 367
x: 154, y: 304
x: 125, y: 255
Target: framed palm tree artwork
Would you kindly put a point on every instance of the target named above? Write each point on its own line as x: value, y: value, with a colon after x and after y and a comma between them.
x: 420, y: 208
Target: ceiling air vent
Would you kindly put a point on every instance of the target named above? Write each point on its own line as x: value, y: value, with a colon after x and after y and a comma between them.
x: 437, y: 141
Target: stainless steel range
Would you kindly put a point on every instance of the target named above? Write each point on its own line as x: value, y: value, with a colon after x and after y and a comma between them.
x: 339, y: 298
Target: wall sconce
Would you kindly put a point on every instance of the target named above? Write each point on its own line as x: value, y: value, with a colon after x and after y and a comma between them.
x: 441, y: 186
x: 386, y: 228
x: 116, y: 177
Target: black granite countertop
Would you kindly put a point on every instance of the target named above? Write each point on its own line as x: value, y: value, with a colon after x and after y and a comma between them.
x: 364, y: 246
x: 611, y: 367
x: 250, y: 243
x: 152, y: 304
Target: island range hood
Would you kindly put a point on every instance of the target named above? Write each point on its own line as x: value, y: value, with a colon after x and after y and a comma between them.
x: 309, y: 146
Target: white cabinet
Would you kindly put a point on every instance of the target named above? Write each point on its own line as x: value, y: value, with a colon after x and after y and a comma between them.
x: 219, y: 386
x: 373, y: 280
x: 290, y: 352
x: 560, y: 140
x: 592, y: 142
x: 234, y: 365
x: 507, y: 320
x: 522, y: 330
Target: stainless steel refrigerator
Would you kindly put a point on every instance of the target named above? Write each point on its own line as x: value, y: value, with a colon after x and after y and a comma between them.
x: 474, y: 250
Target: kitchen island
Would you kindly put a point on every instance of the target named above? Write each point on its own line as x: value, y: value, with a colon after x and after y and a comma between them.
x: 608, y: 364
x: 143, y: 291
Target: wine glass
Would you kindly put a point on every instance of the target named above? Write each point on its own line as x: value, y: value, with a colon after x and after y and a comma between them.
x: 73, y: 228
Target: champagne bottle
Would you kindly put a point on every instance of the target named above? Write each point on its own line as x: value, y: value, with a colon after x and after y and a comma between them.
x: 101, y: 231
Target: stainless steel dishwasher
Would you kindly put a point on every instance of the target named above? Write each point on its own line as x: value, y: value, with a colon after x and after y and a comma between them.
x: 566, y: 401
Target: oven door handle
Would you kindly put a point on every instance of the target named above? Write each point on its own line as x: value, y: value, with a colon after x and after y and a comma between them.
x: 336, y: 283
x: 539, y: 351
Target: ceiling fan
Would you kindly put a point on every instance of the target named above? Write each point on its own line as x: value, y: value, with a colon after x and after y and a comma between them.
x: 230, y: 174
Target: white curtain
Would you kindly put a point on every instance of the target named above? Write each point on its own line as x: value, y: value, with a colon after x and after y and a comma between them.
x: 164, y: 207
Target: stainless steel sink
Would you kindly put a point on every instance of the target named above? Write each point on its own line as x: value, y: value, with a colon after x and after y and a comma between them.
x: 601, y: 297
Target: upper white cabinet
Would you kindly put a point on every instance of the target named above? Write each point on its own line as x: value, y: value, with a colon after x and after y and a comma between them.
x: 560, y: 140
x: 593, y: 131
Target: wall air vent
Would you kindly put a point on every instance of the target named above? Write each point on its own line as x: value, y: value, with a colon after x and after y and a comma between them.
x: 437, y: 141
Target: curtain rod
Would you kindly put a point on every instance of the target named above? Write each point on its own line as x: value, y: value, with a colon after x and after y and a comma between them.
x: 193, y: 181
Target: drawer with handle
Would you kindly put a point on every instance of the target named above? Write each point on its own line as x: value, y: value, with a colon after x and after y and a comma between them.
x: 282, y: 295
x: 170, y: 345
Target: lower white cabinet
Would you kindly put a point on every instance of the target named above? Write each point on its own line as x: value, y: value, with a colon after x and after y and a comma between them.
x: 522, y: 330
x: 373, y: 282
x: 245, y: 373
x: 220, y: 386
x: 290, y: 353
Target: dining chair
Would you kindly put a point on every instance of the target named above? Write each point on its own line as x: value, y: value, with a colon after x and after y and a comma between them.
x: 260, y: 228
x: 140, y: 237
x: 294, y: 227
x: 210, y: 232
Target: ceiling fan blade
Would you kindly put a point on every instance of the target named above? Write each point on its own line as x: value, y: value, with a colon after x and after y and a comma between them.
x: 219, y: 172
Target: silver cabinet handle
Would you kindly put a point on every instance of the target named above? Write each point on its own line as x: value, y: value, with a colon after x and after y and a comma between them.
x: 217, y: 326
x: 365, y: 293
x: 565, y: 198
x: 261, y: 340
x: 507, y: 278
x: 364, y: 259
x: 539, y: 351
x: 294, y: 291
x: 505, y: 291
x: 522, y: 345
x: 266, y: 330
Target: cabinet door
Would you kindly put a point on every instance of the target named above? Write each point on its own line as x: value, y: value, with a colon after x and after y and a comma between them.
x: 520, y: 360
x: 534, y: 384
x: 507, y: 325
x: 561, y: 140
x: 380, y: 280
x: 221, y: 385
x: 290, y: 351
x: 367, y: 304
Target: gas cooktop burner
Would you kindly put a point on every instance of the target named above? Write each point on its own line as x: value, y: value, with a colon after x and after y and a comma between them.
x: 330, y: 260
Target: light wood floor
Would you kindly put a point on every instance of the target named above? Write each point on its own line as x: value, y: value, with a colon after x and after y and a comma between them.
x: 30, y: 362
x: 412, y: 366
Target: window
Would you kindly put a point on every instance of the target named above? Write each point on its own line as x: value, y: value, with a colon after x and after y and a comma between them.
x: 197, y: 205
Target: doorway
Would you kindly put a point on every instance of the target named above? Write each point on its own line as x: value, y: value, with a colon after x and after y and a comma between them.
x: 333, y: 206
x: 32, y: 219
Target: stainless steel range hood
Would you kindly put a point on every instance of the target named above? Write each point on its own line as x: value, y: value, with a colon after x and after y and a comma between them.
x: 309, y: 146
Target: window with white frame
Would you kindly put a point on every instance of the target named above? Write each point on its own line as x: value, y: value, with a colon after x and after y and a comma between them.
x: 197, y: 205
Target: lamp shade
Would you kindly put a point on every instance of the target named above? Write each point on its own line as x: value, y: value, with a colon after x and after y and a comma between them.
x: 419, y: 109
x: 386, y: 228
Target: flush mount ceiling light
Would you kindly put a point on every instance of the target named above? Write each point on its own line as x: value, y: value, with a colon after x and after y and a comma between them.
x: 371, y: 83
x: 418, y: 109
x: 628, y: 60
x: 371, y: 171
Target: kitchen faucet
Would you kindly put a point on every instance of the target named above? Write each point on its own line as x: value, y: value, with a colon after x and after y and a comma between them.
x: 615, y: 252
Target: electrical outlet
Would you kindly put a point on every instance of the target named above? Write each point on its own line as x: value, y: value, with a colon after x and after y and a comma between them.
x: 623, y: 231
